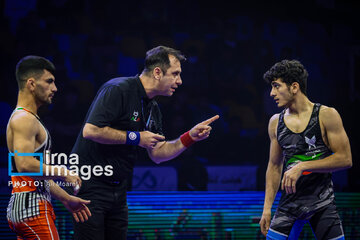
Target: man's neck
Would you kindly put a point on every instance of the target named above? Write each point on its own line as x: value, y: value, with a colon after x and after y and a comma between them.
x: 148, y: 84
x: 27, y: 101
x: 300, y: 105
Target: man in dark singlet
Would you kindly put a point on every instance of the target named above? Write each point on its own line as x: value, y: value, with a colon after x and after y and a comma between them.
x: 308, y: 140
x: 30, y: 213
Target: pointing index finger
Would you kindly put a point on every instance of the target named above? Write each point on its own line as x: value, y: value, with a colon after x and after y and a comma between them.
x: 210, y: 120
x: 159, y: 137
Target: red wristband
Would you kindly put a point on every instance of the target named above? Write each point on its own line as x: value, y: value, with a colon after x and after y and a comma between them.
x: 186, y: 140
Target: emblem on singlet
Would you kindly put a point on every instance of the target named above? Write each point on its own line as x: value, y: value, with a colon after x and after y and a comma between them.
x: 311, y: 142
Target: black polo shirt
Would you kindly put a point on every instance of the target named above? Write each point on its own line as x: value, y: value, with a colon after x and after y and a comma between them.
x: 122, y: 104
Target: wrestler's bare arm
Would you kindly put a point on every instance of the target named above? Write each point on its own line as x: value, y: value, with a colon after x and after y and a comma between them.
x: 75, y: 205
x: 24, y: 128
x: 273, y: 175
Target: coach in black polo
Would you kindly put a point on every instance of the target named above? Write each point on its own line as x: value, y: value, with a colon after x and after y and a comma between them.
x: 123, y: 117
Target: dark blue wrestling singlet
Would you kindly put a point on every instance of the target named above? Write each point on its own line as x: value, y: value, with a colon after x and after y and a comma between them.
x: 314, y: 198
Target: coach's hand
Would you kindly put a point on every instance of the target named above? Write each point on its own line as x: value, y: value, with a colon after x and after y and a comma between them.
x: 149, y: 139
x: 202, y: 130
x: 78, y: 208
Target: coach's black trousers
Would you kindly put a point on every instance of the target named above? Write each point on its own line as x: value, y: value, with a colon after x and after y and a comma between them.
x: 109, y: 211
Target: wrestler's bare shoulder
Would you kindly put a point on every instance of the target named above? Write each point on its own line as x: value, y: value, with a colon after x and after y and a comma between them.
x: 273, y: 123
x: 326, y: 111
x: 24, y: 121
x: 329, y: 117
x: 274, y: 120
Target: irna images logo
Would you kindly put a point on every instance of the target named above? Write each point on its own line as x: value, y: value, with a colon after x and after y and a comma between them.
x: 55, y: 161
x: 36, y: 155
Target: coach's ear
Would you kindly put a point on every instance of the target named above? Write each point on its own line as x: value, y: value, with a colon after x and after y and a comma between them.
x: 157, y: 72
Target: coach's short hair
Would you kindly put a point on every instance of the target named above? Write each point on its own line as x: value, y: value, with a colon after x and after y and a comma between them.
x: 159, y: 57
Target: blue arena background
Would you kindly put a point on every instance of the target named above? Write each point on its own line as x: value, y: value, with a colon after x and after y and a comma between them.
x: 215, y: 189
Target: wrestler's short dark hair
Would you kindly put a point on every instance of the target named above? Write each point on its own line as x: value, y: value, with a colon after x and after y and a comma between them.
x: 288, y: 71
x: 159, y: 57
x: 32, y: 66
